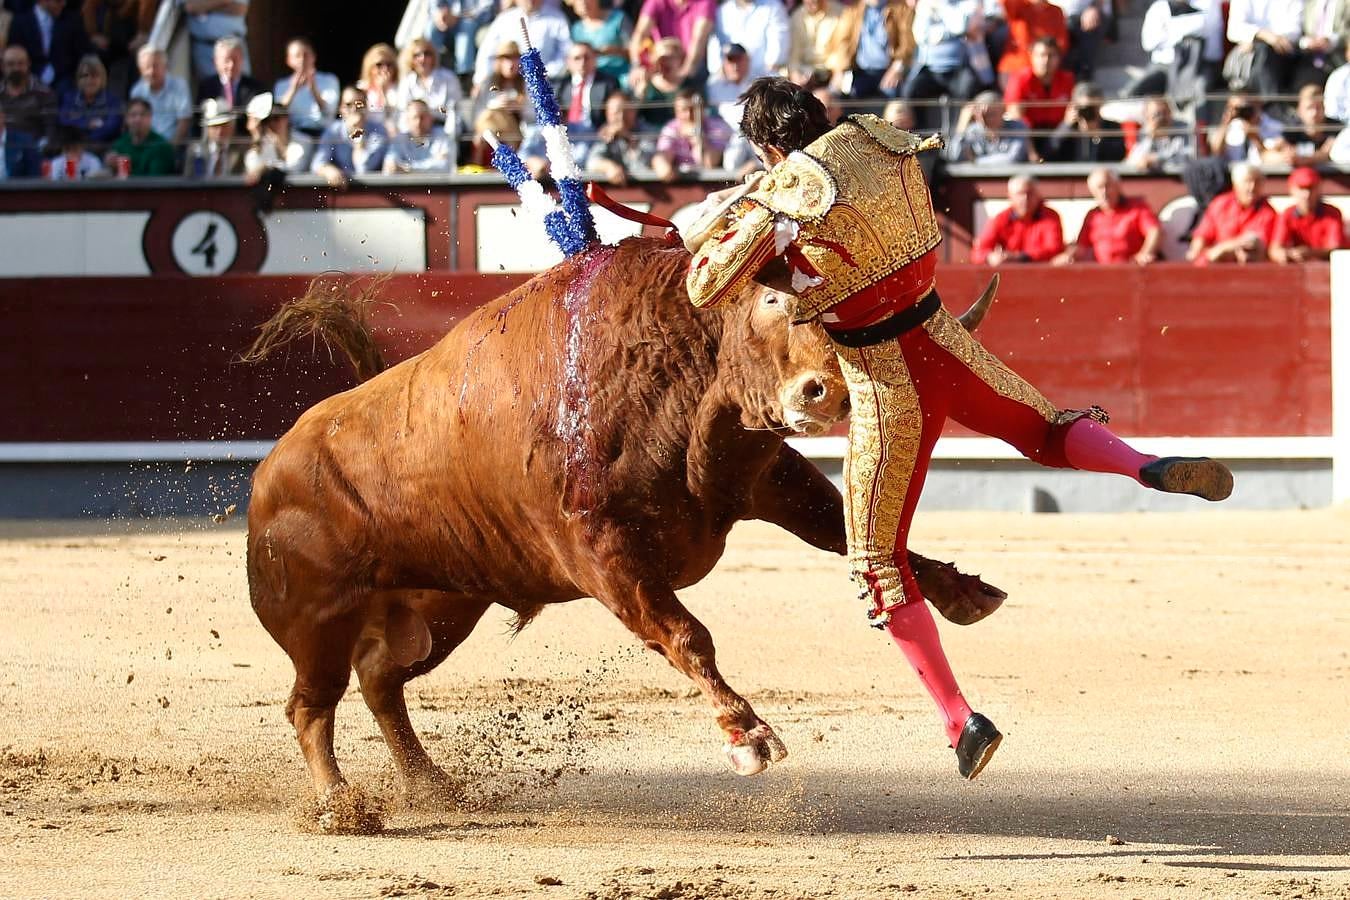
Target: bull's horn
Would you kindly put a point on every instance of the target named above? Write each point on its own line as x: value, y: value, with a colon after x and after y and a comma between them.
x: 972, y: 317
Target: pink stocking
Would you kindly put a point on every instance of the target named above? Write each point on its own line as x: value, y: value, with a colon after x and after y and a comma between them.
x: 1091, y: 447
x: 913, y: 630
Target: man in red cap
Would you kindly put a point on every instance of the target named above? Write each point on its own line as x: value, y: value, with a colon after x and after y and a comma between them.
x: 1238, y: 224
x: 1310, y: 229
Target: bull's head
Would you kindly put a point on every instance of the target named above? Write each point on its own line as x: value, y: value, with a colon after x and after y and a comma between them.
x: 786, y: 377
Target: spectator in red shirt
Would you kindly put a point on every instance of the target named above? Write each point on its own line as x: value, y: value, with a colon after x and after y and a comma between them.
x: 1238, y: 224
x: 1027, y: 231
x: 1118, y: 229
x: 1310, y: 229
x: 1039, y: 95
x: 1028, y: 22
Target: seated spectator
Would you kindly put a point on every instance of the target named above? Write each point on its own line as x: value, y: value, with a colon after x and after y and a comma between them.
x: 950, y: 58
x: 55, y: 42
x: 1088, y: 23
x: 1039, y: 95
x: 353, y: 145
x: 656, y: 90
x: 608, y: 31
x: 18, y: 153
x: 168, y: 96
x: 1027, y: 231
x: 1180, y: 37
x: 148, y: 152
x: 549, y: 34
x: 760, y: 26
x: 900, y: 114
x: 274, y: 148
x: 1118, y: 229
x: 29, y: 106
x: 985, y: 137
x: 689, y: 140
x: 872, y: 45
x: 310, y: 97
x: 1309, y: 142
x: 73, y: 162
x: 454, y: 28
x: 583, y: 90
x: 379, y: 84
x: 229, y: 84
x: 1244, y: 131
x: 1159, y: 144
x: 1238, y: 225
x: 1321, y: 46
x: 214, y: 156
x: 421, y: 147
x: 619, y: 146
x: 1310, y: 229
x: 1267, y: 31
x: 209, y: 22
x: 727, y: 85
x: 1084, y: 136
x: 1028, y: 22
x: 424, y: 79
x: 689, y: 22
x: 116, y: 30
x: 89, y: 106
x: 500, y: 106
x: 1336, y: 94
x: 810, y: 33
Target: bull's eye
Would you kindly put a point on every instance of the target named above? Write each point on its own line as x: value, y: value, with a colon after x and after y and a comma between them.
x: 770, y: 299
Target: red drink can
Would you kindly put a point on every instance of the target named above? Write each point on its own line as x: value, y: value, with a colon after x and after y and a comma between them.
x: 72, y: 168
x: 123, y: 166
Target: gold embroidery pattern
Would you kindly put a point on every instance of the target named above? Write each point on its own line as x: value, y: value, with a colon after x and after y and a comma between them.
x: 721, y: 269
x: 951, y: 336
x: 799, y: 187
x: 883, y: 445
x: 881, y: 221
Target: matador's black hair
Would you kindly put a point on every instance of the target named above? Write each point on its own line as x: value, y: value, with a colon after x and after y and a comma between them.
x: 781, y: 114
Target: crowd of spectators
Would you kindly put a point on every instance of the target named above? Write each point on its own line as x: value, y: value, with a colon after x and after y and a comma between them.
x: 651, y: 88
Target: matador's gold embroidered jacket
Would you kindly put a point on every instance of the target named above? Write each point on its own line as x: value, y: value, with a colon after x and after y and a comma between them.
x: 847, y: 211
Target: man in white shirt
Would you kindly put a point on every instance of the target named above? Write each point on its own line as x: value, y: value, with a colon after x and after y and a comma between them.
x: 549, y: 34
x: 760, y: 26
x: 310, y: 96
x: 168, y: 96
x: 1270, y: 30
x: 1171, y: 27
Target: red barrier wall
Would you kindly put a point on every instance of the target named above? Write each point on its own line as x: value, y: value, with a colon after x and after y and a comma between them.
x: 1169, y: 349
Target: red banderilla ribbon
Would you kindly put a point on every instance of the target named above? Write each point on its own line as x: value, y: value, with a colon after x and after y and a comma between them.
x: 596, y: 194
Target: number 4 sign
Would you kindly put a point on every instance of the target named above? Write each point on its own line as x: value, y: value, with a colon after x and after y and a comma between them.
x: 204, y: 243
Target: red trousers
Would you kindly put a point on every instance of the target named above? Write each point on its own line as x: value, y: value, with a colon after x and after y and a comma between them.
x: 903, y: 390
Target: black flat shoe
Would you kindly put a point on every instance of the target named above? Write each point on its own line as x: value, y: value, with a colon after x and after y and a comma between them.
x: 1198, y: 476
x: 979, y: 740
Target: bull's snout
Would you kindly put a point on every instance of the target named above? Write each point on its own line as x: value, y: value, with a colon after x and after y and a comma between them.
x: 814, y: 401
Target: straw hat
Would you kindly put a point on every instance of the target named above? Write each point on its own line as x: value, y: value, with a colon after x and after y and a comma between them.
x: 263, y: 107
x: 510, y: 48
x: 215, y: 112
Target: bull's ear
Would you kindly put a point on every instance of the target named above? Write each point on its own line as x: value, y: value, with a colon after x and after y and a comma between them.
x: 776, y: 275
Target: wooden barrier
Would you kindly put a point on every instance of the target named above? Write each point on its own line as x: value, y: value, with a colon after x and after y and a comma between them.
x: 1170, y: 350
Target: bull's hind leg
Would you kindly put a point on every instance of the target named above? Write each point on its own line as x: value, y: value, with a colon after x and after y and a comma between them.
x: 663, y: 623
x: 414, y: 624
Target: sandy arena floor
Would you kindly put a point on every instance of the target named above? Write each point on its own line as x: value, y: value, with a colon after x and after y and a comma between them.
x: 1178, y: 683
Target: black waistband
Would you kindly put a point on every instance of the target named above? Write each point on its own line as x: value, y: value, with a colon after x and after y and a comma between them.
x: 896, y: 325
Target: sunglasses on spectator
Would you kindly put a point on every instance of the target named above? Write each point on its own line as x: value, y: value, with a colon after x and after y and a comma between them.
x: 384, y: 64
x: 421, y: 53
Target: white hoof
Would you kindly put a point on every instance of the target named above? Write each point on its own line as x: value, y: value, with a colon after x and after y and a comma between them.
x: 752, y: 752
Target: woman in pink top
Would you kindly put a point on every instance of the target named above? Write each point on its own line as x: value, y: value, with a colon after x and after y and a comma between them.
x: 690, y: 21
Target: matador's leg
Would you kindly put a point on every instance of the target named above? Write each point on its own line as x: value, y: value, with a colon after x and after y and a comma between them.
x: 891, y: 438
x: 992, y: 399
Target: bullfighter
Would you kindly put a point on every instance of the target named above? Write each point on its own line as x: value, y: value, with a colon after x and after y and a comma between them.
x: 843, y: 221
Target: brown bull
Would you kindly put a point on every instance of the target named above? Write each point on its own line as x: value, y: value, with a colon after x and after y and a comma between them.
x: 588, y: 434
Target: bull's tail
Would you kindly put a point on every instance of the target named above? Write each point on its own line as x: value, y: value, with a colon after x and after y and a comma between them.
x: 336, y: 309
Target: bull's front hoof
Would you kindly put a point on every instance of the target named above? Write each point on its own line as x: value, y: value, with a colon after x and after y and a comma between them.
x: 750, y: 752
x: 345, y: 809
